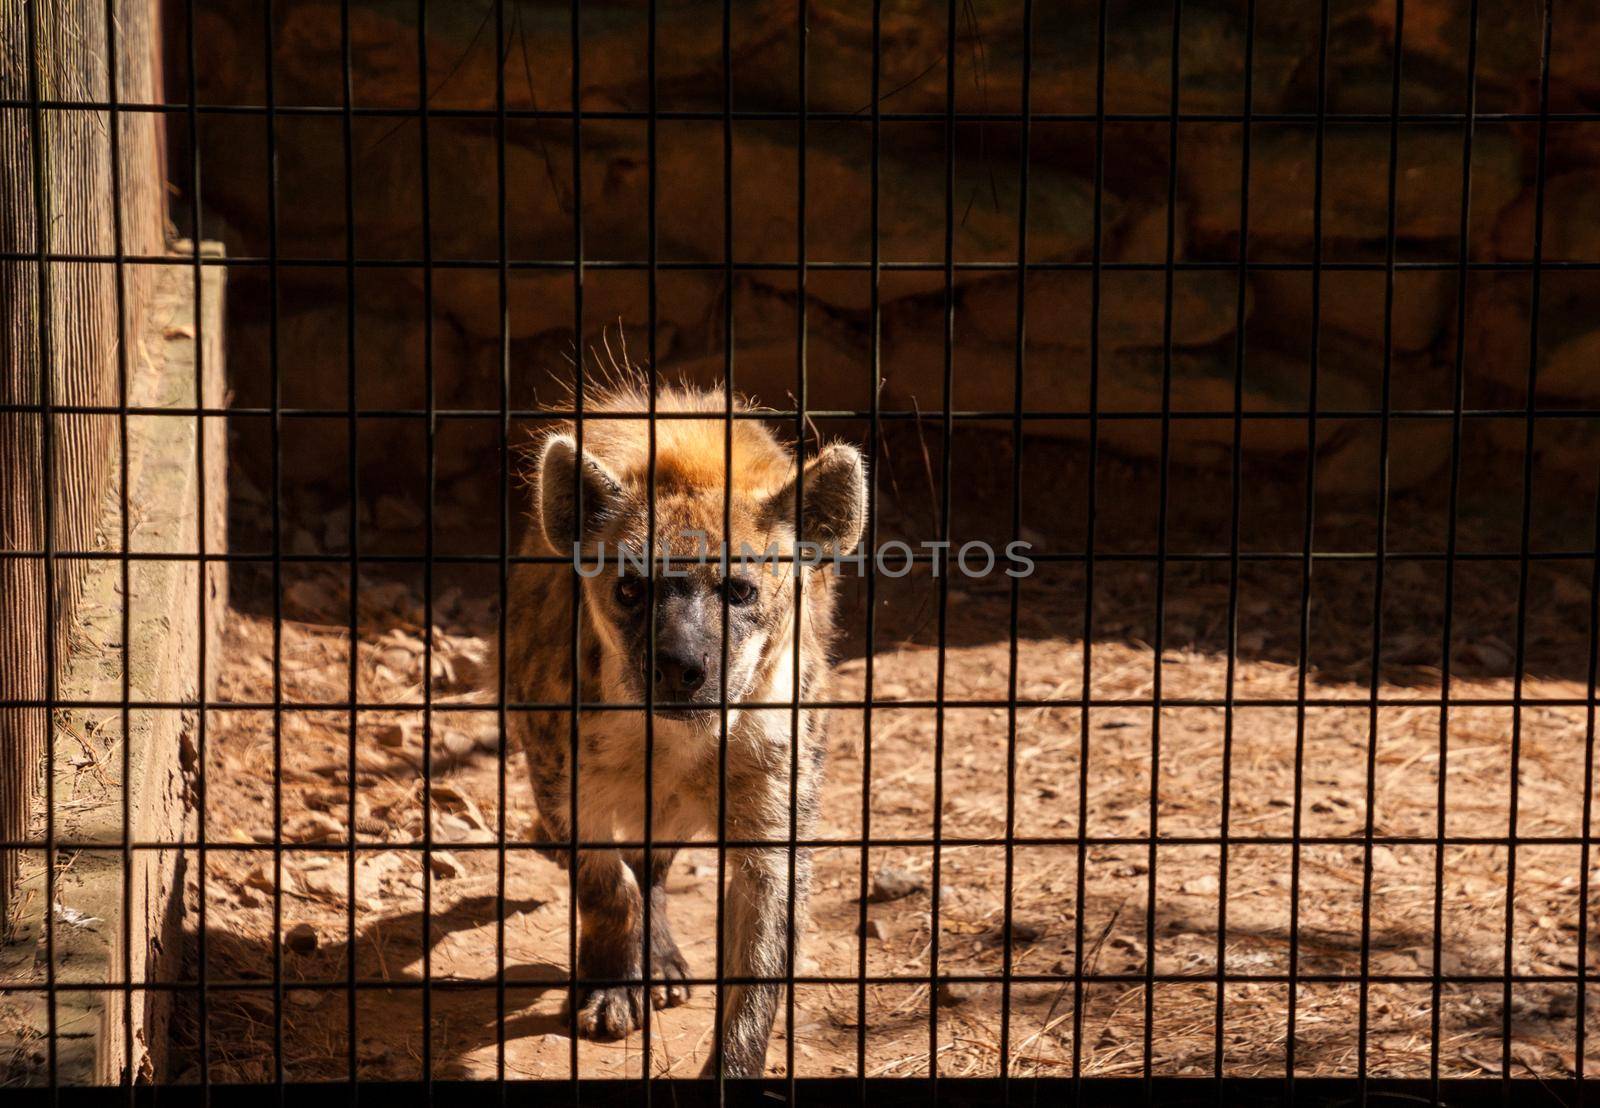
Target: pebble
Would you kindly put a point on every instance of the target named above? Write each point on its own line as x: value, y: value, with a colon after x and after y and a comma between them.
x: 445, y: 865
x: 301, y: 938
x: 451, y: 799
x: 1385, y: 860
x: 259, y: 878
x: 451, y: 829
x: 877, y: 929
x: 327, y: 883
x: 457, y: 743
x: 952, y: 993
x: 391, y: 735
x: 314, y: 827
x: 893, y: 884
x: 1026, y: 931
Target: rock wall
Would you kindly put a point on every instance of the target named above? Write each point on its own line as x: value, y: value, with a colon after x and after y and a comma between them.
x: 542, y: 208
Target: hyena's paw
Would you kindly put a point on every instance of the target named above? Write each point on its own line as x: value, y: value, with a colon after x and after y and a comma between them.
x: 668, y: 968
x: 609, y: 1013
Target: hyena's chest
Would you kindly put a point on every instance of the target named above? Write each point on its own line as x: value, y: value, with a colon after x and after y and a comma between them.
x: 692, y: 775
x: 619, y: 759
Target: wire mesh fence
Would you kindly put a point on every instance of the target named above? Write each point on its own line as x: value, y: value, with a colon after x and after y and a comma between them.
x: 1053, y: 696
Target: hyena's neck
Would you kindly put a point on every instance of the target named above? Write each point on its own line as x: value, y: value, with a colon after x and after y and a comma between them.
x: 792, y: 667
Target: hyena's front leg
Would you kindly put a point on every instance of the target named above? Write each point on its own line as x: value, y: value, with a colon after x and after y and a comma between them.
x: 610, y: 911
x: 756, y: 941
x: 610, y: 945
x: 669, y: 972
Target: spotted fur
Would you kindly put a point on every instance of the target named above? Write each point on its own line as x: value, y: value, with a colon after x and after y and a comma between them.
x: 763, y: 666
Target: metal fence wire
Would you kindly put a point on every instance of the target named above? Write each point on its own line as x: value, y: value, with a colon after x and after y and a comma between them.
x: 1503, y: 975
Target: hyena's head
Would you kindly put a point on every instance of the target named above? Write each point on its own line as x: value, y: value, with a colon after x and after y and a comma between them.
x: 760, y: 515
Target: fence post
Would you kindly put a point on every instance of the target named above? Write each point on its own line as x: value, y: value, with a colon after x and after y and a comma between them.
x: 81, y: 342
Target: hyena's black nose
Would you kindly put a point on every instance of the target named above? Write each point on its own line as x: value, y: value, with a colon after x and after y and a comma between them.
x: 678, y: 675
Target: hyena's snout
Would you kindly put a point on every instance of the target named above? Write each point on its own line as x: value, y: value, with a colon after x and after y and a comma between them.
x: 679, y: 676
x: 687, y: 673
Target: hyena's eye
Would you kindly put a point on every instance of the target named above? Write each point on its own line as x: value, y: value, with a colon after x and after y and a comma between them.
x: 740, y: 590
x: 630, y: 591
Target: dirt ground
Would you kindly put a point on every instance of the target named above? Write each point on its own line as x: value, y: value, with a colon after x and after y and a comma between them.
x: 463, y: 946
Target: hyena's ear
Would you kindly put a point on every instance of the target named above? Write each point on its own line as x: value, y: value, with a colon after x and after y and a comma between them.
x: 602, y: 493
x: 835, y: 510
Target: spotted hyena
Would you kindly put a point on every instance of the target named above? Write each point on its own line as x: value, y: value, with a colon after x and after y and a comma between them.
x: 764, y: 662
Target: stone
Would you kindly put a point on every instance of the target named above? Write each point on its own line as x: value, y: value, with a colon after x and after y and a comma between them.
x: 391, y: 340
x: 451, y: 799
x: 1360, y: 71
x: 451, y: 829
x: 1347, y: 462
x: 1141, y: 235
x: 260, y: 878
x: 312, y: 371
x: 391, y: 736
x: 1499, y: 322
x: 762, y: 45
x: 1564, y: 450
x: 372, y: 870
x: 314, y: 827
x: 1027, y: 930
x: 458, y: 744
x: 1132, y: 308
x: 893, y: 884
x: 1498, y: 328
x: 302, y: 938
x: 1571, y: 224
x: 445, y: 865
x: 1424, y: 303
x: 330, y: 884
x: 1355, y: 192
x: 464, y: 168
x: 1508, y: 52
x: 1568, y: 368
x: 1057, y: 378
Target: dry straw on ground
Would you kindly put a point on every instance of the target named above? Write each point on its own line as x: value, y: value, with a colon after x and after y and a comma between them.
x: 1198, y: 752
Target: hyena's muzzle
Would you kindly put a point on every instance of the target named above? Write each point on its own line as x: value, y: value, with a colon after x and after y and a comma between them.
x: 686, y: 674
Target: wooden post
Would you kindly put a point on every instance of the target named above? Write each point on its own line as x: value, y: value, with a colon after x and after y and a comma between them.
x: 67, y: 47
